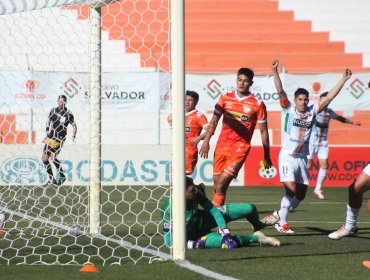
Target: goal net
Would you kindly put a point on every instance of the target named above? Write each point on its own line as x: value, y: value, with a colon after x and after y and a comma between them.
x: 110, y: 59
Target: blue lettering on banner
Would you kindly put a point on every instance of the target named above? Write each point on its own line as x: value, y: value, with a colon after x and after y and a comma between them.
x: 147, y: 169
x: 129, y: 171
x: 30, y: 170
x: 104, y: 170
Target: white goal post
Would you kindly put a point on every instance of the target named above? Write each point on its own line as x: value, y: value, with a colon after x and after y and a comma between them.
x: 103, y: 213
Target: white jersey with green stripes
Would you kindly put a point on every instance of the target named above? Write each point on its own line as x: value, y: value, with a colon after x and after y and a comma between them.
x: 319, y: 135
x: 296, y: 129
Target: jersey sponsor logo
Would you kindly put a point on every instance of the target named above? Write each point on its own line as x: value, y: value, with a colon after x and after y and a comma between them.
x: 222, y: 209
x: 298, y: 141
x: 236, y: 116
x: 245, y: 118
x: 246, y: 109
x: 303, y: 124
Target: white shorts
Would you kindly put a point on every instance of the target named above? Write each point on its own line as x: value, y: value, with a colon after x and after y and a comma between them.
x: 322, y: 152
x: 367, y: 169
x: 293, y: 168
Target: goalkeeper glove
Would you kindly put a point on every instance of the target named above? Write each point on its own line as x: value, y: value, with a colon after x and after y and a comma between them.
x: 200, y: 243
x: 228, y: 241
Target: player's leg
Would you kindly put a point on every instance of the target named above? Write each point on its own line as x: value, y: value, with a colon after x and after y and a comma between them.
x: 226, y: 167
x: 221, y: 183
x: 191, y: 160
x: 45, y: 160
x: 355, y: 194
x: 214, y: 241
x: 287, y: 168
x: 220, y: 178
x: 58, y: 166
x: 322, y: 155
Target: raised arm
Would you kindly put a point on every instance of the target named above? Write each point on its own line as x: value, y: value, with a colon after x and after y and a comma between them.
x: 277, y: 80
x: 324, y: 102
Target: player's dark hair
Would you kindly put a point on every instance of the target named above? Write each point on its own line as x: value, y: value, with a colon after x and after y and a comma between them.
x: 189, y: 182
x: 324, y: 94
x: 247, y: 72
x: 193, y: 94
x: 63, y: 97
x: 300, y: 91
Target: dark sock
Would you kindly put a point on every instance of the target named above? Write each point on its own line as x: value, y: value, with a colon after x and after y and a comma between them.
x: 48, y: 169
x: 59, y: 168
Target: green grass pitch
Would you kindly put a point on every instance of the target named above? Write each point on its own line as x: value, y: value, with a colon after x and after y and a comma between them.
x: 309, y: 254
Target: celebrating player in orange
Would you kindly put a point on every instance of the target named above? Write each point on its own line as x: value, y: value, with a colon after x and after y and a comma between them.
x: 241, y: 111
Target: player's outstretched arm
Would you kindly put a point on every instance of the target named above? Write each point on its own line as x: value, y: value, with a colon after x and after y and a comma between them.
x: 345, y: 120
x: 204, y: 149
x: 324, y: 102
x: 277, y: 80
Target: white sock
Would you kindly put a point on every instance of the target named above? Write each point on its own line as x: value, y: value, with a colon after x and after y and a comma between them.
x: 320, y: 178
x: 285, y: 206
x: 351, y: 217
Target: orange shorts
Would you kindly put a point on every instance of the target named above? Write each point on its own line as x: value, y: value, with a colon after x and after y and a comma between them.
x: 191, y: 160
x: 229, y: 161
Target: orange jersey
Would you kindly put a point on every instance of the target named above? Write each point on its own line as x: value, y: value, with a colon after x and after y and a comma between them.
x: 195, y: 121
x: 240, y: 118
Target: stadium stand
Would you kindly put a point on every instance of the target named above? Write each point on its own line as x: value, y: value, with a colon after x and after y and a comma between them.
x: 308, y: 36
x: 257, y: 32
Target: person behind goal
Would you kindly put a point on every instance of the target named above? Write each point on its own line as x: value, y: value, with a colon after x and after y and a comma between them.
x: 56, y: 131
x: 195, y: 123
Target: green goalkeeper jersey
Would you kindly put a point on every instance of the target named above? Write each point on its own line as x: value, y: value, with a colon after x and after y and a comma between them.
x: 194, y: 217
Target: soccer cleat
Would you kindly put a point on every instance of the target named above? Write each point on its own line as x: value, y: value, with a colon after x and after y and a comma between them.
x: 60, y: 182
x: 284, y: 228
x: 342, y: 232
x: 48, y: 183
x: 267, y: 240
x: 271, y: 219
x: 319, y: 194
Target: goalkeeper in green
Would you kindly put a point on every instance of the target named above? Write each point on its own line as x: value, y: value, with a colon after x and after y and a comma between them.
x: 200, y: 222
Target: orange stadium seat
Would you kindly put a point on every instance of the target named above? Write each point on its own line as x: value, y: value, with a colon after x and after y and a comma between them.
x: 222, y: 35
x: 8, y: 132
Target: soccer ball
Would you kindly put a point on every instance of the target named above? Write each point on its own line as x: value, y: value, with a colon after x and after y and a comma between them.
x: 268, y: 173
x: 2, y: 220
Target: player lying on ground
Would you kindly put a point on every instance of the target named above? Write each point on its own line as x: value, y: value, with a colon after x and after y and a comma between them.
x: 355, y: 194
x: 199, y: 222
